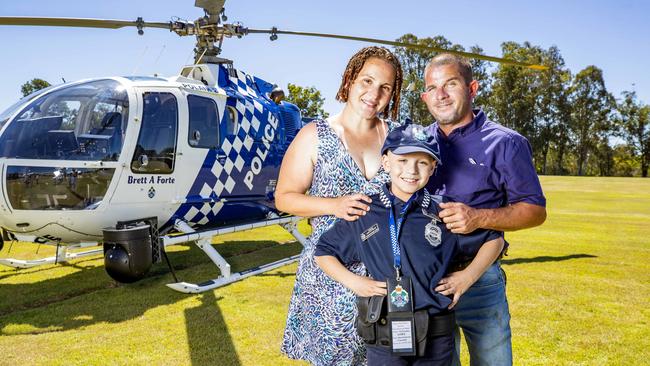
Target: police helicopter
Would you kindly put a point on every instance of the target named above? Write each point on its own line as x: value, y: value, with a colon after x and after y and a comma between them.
x: 136, y: 164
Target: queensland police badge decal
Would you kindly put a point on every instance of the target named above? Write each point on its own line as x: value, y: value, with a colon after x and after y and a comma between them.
x: 399, y: 297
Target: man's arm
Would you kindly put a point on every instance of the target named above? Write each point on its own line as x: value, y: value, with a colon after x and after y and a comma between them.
x: 296, y: 173
x: 462, y: 219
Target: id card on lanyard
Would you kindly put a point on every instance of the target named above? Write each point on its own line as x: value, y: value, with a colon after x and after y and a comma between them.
x: 401, y: 320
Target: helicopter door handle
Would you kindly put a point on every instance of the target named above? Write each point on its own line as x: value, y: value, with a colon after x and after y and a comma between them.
x: 221, y: 158
x: 94, y: 164
x: 143, y: 160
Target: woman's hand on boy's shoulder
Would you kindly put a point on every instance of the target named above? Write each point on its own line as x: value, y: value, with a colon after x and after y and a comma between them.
x: 351, y: 207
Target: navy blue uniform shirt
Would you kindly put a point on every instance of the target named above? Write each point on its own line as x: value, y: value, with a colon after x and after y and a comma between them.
x: 485, y: 165
x: 425, y: 252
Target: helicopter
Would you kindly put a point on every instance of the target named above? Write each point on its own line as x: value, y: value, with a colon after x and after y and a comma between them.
x: 138, y: 163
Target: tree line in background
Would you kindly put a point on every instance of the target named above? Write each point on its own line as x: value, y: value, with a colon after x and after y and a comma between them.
x: 574, y: 125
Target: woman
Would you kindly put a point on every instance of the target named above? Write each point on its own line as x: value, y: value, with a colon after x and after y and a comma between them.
x: 338, y: 163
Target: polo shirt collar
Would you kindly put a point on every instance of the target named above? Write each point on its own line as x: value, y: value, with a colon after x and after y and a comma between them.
x: 476, y: 123
x: 422, y: 197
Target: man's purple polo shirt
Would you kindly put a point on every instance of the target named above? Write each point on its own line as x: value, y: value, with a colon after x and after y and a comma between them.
x: 485, y: 165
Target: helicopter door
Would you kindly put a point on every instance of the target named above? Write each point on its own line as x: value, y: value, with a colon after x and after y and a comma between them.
x: 148, y: 185
x: 155, y: 151
x: 203, y: 150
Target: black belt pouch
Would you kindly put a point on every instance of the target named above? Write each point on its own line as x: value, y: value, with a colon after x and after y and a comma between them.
x: 370, y: 311
x: 421, y: 330
x: 376, y: 332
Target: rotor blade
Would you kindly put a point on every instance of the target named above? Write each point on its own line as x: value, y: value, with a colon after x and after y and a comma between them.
x: 81, y: 22
x: 401, y: 44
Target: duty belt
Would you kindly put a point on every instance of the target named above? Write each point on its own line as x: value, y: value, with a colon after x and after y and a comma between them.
x: 372, y: 325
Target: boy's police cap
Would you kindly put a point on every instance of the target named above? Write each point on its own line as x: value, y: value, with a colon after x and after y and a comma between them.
x: 409, y: 138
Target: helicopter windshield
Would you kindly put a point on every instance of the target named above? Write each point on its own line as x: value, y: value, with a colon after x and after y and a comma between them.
x: 81, y: 122
x: 4, y: 116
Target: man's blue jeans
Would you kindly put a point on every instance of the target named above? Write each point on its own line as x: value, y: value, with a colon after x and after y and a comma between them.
x: 482, y: 312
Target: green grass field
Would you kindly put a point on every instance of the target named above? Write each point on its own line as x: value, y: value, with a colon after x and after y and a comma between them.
x: 578, y: 287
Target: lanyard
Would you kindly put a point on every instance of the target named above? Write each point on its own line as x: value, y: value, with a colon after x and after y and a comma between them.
x: 394, y: 234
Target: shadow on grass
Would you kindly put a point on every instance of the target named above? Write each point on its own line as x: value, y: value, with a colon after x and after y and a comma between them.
x: 545, y: 258
x: 10, y: 272
x: 207, y: 334
x: 278, y: 274
x: 89, y: 296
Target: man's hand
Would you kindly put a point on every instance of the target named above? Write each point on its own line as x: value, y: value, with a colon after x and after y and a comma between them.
x: 456, y: 283
x: 460, y: 218
x: 366, y: 286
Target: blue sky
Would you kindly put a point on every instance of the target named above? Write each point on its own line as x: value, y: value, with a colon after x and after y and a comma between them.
x: 613, y: 35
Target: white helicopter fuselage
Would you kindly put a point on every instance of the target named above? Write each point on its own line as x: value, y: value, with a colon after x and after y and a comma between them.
x: 118, y: 149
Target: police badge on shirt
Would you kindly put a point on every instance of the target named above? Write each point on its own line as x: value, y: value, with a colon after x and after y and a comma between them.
x: 432, y: 232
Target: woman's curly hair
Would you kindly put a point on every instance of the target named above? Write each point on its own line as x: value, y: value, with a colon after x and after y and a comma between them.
x: 356, y: 64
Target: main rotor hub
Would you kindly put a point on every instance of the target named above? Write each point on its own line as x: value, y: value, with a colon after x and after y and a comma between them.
x: 209, y: 32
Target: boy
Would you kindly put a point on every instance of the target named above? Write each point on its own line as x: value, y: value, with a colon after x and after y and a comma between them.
x: 407, y: 250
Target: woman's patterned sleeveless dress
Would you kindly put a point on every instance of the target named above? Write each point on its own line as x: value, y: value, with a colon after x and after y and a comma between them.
x: 320, y: 323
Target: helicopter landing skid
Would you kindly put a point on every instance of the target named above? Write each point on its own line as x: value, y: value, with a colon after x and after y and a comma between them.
x: 62, y: 255
x: 204, y: 240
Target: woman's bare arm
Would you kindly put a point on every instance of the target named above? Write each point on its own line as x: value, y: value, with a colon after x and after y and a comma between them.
x: 296, y: 174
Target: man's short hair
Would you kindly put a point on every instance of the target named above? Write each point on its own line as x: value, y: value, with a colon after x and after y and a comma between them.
x: 443, y: 59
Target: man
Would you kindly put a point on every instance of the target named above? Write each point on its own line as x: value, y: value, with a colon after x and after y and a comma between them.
x: 489, y: 173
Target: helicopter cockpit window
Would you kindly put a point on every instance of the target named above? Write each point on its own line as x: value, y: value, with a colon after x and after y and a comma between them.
x: 4, y: 116
x: 80, y: 122
x: 204, y: 122
x: 156, y: 148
